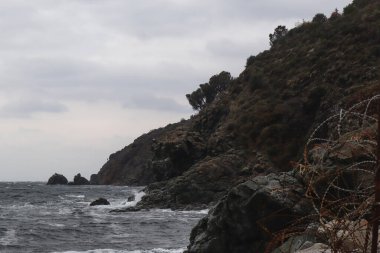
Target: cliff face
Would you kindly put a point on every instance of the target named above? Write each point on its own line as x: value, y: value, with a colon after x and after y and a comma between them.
x: 329, y: 66
x: 132, y: 165
x: 260, y: 123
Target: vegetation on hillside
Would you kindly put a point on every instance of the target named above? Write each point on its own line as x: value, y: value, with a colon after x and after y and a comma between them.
x: 207, y: 92
x: 259, y: 121
x: 282, y: 91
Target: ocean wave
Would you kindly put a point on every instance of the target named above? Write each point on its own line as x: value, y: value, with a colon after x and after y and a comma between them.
x: 122, y: 203
x: 10, y: 238
x: 126, y: 251
x: 138, y: 196
x: 74, y: 196
x: 59, y: 225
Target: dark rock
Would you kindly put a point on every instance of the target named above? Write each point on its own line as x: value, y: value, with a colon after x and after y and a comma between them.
x: 175, y: 152
x: 57, y: 179
x: 244, y: 220
x: 100, y: 202
x: 295, y: 243
x: 79, y: 180
x: 131, y: 198
x: 94, y: 179
x: 128, y: 209
x: 132, y: 164
x: 204, y: 183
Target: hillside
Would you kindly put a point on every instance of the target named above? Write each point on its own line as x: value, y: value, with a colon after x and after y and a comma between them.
x: 260, y: 123
x: 239, y: 151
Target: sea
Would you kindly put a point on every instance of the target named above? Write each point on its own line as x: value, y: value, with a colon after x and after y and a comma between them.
x: 35, y: 217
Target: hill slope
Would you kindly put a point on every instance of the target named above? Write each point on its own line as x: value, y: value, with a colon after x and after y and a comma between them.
x: 259, y: 124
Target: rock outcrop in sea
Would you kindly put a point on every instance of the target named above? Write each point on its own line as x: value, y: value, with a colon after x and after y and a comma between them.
x: 100, y: 202
x: 79, y: 180
x: 57, y: 179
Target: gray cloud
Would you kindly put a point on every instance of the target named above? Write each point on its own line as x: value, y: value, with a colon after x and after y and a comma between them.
x: 92, y: 65
x: 106, y: 50
x: 25, y: 109
x: 156, y: 103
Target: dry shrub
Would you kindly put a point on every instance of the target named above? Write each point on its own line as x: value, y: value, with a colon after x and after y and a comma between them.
x: 339, y: 167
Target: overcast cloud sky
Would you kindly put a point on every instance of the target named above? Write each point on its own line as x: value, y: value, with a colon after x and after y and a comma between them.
x: 80, y: 79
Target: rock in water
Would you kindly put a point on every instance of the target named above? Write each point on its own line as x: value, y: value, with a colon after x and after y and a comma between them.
x: 57, y: 179
x: 100, y: 202
x: 79, y: 180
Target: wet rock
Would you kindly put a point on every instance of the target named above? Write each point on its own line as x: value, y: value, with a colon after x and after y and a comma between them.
x: 128, y: 209
x: 131, y: 198
x: 244, y: 220
x: 100, y: 202
x: 57, y: 179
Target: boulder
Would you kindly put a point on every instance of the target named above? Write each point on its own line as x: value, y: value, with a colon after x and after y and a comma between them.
x: 297, y: 243
x: 79, y: 180
x: 245, y: 219
x: 316, y: 248
x: 100, y: 202
x: 57, y: 179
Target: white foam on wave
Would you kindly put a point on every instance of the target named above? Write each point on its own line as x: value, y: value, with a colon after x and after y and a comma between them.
x: 58, y: 225
x: 9, y: 238
x: 75, y: 196
x: 127, y: 251
x: 138, y: 196
x: 122, y: 203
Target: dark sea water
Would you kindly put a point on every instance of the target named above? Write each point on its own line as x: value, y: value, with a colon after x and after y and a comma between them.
x: 35, y: 217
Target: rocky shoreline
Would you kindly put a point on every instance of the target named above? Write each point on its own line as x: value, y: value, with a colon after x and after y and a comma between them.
x: 266, y: 154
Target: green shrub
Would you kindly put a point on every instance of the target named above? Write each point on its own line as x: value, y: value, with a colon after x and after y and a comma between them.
x: 250, y: 60
x: 278, y: 34
x: 349, y: 9
x: 375, y: 51
x: 361, y: 3
x: 256, y: 80
x: 207, y: 92
x: 335, y: 15
x: 319, y: 18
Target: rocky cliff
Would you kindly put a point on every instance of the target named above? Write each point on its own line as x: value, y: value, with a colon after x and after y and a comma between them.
x: 260, y: 122
x: 256, y: 129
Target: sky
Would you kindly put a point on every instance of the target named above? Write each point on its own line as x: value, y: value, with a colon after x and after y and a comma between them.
x: 81, y: 79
